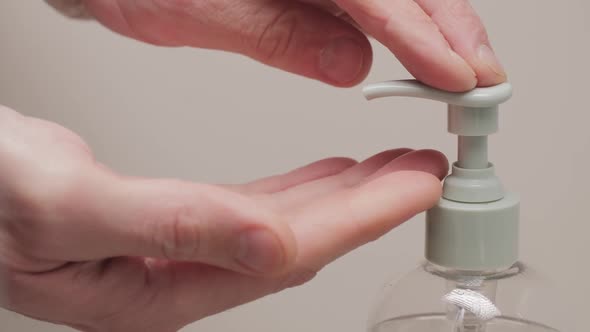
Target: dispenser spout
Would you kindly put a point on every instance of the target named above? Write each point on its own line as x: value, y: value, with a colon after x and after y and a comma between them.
x: 478, y: 97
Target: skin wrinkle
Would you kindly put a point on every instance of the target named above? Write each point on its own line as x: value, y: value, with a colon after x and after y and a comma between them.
x: 338, y: 166
x: 90, y: 273
x: 143, y: 31
x: 190, y: 10
x: 462, y: 14
x: 141, y: 298
x: 182, y: 237
x: 346, y: 179
x: 160, y: 281
x: 225, y: 21
x: 20, y: 251
x: 415, y: 40
x: 126, y: 20
x: 162, y: 37
x: 464, y: 30
x: 289, y: 42
x: 268, y: 36
x: 418, y: 42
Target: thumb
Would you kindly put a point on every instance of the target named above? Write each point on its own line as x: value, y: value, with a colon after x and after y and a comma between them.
x: 290, y: 35
x: 309, y: 41
x: 179, y: 221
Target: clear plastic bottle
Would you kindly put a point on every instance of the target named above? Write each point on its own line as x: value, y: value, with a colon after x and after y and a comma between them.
x: 435, y: 299
x: 472, y: 281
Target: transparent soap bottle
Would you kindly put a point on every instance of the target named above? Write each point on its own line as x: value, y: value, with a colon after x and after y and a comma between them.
x: 435, y: 299
x: 471, y: 280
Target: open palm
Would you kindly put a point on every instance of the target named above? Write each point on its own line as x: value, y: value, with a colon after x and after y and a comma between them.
x: 83, y: 246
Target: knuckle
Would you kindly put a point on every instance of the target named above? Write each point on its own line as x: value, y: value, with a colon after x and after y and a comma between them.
x: 156, y: 30
x: 277, y: 37
x: 462, y: 11
x: 390, y: 21
x: 458, y: 8
x: 178, y: 233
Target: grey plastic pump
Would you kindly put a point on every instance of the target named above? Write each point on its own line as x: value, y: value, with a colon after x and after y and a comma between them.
x: 474, y: 226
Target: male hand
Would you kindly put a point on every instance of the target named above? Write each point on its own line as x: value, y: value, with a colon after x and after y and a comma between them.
x: 442, y: 43
x: 98, y: 251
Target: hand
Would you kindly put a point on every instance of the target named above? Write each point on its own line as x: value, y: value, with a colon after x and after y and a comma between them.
x: 85, y: 247
x: 442, y: 43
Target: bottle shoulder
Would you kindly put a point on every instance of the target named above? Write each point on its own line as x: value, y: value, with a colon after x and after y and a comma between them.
x: 515, y: 295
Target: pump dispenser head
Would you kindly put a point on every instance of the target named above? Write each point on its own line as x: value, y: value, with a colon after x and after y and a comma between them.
x: 474, y: 227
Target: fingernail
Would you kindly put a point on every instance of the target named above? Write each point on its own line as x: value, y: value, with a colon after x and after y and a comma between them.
x: 341, y: 61
x: 259, y: 250
x: 487, y: 56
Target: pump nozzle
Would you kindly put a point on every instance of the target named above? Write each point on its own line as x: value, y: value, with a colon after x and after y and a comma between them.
x: 474, y: 226
x: 479, y: 97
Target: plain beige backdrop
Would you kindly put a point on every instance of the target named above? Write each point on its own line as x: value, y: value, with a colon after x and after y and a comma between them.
x: 211, y: 116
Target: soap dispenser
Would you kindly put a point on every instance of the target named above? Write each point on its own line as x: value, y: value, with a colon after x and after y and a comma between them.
x: 471, y: 280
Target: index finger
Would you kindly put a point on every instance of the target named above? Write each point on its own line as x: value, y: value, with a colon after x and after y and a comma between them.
x: 415, y: 39
x: 346, y: 220
x: 464, y: 30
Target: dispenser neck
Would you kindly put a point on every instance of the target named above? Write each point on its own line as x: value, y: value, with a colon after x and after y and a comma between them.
x: 473, y: 152
x: 463, y: 275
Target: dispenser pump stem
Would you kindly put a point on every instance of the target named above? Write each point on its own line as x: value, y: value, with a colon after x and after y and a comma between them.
x: 473, y: 152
